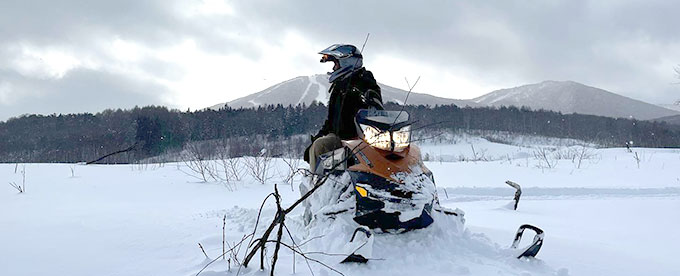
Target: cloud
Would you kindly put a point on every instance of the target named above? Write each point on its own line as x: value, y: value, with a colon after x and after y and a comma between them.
x: 80, y: 90
x: 503, y: 42
x: 198, y: 53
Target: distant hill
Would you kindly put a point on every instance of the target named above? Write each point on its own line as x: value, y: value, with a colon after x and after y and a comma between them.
x: 675, y: 119
x: 573, y: 97
x: 674, y: 106
x: 306, y: 89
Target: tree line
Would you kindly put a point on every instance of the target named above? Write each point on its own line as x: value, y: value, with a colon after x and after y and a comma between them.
x: 154, y: 130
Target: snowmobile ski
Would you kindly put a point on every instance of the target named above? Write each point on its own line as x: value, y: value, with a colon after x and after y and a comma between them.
x: 363, y: 247
x: 531, y: 250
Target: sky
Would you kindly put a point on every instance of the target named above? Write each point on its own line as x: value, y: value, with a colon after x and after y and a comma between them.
x: 73, y: 56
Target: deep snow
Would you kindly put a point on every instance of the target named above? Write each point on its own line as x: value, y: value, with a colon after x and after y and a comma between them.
x: 607, y: 217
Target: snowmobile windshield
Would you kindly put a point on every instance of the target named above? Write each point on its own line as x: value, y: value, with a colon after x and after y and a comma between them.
x: 384, y: 120
x: 384, y: 129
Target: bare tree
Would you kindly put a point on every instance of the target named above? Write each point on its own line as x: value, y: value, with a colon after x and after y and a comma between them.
x: 545, y: 160
x: 259, y: 166
x: 235, y: 168
x: 478, y: 155
x: 231, y: 168
x: 198, y: 162
x: 293, y: 169
x: 581, y: 153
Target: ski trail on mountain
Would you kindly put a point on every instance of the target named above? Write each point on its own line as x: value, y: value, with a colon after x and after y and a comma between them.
x: 321, y: 96
x: 304, y: 94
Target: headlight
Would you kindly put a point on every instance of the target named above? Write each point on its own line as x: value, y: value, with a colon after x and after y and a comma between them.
x: 395, y: 141
x: 402, y: 138
x: 376, y: 138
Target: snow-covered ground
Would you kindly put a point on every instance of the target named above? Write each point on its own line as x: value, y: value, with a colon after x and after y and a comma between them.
x: 614, y: 214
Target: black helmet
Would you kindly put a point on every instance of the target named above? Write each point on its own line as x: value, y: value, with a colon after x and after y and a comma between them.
x: 347, y: 59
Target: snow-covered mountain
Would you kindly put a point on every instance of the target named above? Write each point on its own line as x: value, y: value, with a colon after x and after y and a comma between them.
x: 674, y: 106
x: 573, y: 97
x: 563, y: 96
x: 306, y: 89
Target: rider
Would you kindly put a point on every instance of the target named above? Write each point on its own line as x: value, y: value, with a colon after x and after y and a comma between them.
x: 352, y: 88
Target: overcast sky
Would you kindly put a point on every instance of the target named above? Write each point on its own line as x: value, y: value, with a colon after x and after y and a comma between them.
x: 85, y: 56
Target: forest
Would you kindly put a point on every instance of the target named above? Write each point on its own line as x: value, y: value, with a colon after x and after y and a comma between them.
x: 154, y: 130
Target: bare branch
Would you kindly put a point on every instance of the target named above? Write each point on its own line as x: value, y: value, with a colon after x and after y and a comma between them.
x: 17, y: 187
x: 201, y: 246
x: 20, y: 187
x: 231, y: 250
x: 130, y: 148
x: 279, y: 219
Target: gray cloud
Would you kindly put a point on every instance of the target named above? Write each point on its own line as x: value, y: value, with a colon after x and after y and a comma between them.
x: 78, y: 91
x: 587, y: 41
x: 621, y: 46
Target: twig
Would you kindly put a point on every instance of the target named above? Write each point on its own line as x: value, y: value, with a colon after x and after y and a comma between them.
x: 17, y: 187
x: 280, y: 233
x: 431, y: 124
x: 298, y: 246
x: 427, y: 138
x: 304, y: 254
x: 224, y: 226
x: 113, y: 153
x: 250, y: 243
x: 201, y: 246
x: 218, y: 257
x: 311, y: 239
x: 405, y: 100
x: 445, y: 192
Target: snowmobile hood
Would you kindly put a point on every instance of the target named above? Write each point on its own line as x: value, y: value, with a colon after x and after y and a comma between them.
x: 385, y: 164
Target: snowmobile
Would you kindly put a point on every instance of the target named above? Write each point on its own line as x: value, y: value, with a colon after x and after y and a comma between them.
x: 382, y: 179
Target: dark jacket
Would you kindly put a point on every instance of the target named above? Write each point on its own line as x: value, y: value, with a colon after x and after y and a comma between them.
x: 358, y: 91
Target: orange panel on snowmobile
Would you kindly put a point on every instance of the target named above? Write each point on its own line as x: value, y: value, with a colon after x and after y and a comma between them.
x: 380, y: 162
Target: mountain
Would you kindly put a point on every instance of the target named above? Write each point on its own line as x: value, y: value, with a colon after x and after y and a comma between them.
x: 572, y: 97
x: 674, y: 106
x: 306, y: 89
x: 674, y: 120
x: 563, y: 96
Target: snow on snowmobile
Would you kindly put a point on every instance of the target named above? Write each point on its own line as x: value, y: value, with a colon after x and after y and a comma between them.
x: 383, y: 183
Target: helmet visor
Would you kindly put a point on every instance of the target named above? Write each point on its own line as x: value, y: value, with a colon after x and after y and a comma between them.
x: 327, y: 58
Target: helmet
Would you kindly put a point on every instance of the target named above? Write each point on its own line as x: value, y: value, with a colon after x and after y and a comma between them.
x: 347, y: 59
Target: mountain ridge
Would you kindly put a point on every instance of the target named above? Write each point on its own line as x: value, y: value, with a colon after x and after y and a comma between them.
x: 306, y: 89
x: 573, y: 97
x: 561, y: 96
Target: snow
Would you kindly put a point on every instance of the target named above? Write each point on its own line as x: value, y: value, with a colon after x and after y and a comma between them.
x: 591, y: 236
x: 322, y: 93
x: 608, y: 217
